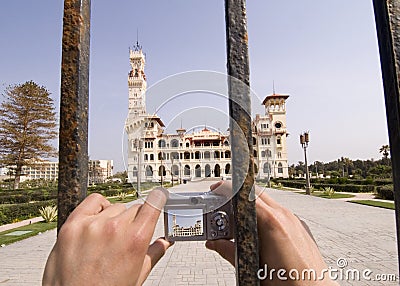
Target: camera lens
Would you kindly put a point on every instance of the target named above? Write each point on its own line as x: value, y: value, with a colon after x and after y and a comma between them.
x: 194, y: 201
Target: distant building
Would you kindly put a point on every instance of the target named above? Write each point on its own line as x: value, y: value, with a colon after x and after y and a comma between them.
x: 44, y: 170
x: 155, y: 156
x: 99, y: 171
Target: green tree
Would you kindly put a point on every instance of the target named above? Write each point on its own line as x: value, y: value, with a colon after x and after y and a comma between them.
x: 385, y: 151
x: 27, y: 126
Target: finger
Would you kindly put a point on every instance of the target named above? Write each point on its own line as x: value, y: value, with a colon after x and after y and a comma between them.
x: 225, y: 248
x: 216, y: 185
x: 263, y: 196
x: 113, y: 210
x: 266, y: 216
x: 149, y: 213
x: 156, y: 250
x: 130, y: 214
x: 307, y: 228
x: 92, y: 205
x: 222, y: 188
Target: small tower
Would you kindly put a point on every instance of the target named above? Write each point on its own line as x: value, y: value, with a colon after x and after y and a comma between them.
x: 137, y: 81
x: 269, y: 138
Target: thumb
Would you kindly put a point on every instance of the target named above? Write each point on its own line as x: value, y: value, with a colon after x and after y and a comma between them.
x: 225, y: 248
x: 154, y: 254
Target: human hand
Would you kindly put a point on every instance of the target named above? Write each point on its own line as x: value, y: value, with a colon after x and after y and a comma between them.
x: 104, y: 244
x: 284, y: 241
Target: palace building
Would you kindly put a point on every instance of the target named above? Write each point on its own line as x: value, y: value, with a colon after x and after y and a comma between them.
x: 154, y: 155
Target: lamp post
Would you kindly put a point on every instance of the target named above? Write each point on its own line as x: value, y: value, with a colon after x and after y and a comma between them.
x: 139, y: 147
x: 304, y: 139
x: 162, y: 168
x: 172, y: 173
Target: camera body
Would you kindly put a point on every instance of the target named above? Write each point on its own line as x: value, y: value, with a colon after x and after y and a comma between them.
x: 198, y: 216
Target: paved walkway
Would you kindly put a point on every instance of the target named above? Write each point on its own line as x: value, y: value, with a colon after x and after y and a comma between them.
x: 364, y: 236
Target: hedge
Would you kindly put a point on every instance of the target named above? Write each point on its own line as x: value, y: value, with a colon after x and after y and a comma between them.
x: 351, y: 188
x: 385, y: 192
x: 11, y: 213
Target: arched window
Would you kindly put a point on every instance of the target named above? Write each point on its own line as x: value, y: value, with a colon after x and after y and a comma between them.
x: 149, y: 171
x: 216, y: 155
x: 255, y: 153
x: 186, y: 155
x: 217, y: 171
x: 146, y: 157
x: 207, y: 155
x: 135, y: 172
x: 207, y: 170
x: 175, y: 155
x: 186, y: 170
x: 226, y: 143
x: 175, y: 170
x: 161, y: 156
x: 161, y: 143
x: 151, y: 157
x: 197, y: 171
x: 267, y: 168
x: 263, y: 154
x: 187, y: 144
x: 161, y: 171
x: 254, y: 141
x: 197, y: 155
x: 174, y: 143
x: 280, y: 168
x: 228, y: 169
x: 227, y: 154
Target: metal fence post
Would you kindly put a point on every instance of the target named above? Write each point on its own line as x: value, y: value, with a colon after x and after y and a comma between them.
x: 73, y: 136
x: 246, y: 237
x: 387, y: 18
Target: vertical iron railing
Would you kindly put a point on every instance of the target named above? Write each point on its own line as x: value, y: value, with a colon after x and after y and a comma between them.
x: 73, y: 141
x: 246, y: 238
x: 387, y: 18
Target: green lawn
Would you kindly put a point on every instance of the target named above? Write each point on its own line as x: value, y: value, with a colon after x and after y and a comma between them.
x: 116, y: 200
x: 336, y: 195
x: 33, y: 229
x: 379, y: 204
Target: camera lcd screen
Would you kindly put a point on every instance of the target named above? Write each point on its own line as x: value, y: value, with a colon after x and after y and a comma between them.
x: 185, y: 223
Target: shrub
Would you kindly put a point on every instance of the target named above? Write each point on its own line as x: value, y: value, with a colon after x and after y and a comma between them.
x: 329, y: 191
x: 48, y: 213
x: 121, y: 196
x: 385, y: 192
x: 22, y: 211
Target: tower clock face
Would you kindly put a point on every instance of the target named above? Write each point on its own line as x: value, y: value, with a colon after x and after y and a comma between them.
x: 278, y: 125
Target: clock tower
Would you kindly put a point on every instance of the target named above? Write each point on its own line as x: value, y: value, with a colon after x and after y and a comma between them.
x: 137, y: 82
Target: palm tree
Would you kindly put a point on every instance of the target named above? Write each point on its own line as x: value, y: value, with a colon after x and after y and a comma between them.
x: 385, y: 151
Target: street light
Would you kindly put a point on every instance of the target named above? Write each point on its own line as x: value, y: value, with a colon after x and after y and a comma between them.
x: 304, y: 139
x: 139, y: 146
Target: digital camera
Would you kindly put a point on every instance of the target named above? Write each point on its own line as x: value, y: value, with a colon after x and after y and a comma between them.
x: 198, y: 216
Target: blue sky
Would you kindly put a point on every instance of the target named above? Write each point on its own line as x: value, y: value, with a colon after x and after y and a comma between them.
x: 322, y: 53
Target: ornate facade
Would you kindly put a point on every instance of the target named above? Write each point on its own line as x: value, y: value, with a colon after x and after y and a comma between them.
x: 155, y: 156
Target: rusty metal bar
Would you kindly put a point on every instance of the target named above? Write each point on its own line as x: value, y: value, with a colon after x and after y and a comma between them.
x: 246, y: 237
x: 73, y: 141
x: 387, y: 18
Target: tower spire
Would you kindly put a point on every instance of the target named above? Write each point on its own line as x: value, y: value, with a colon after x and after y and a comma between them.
x: 273, y: 87
x: 137, y: 47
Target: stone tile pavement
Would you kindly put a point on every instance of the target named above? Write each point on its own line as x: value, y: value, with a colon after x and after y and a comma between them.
x: 363, y: 236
